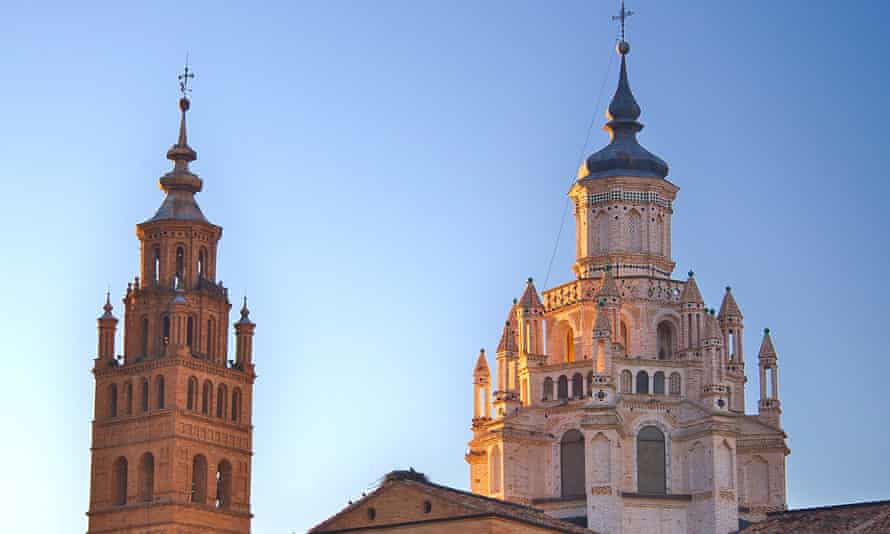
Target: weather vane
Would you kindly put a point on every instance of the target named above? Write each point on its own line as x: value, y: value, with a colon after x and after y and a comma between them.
x: 622, y: 16
x: 184, y: 79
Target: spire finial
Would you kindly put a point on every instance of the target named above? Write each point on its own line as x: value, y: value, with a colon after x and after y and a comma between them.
x: 624, y: 156
x: 184, y: 79
x: 108, y: 307
x: 181, y: 154
x: 621, y: 17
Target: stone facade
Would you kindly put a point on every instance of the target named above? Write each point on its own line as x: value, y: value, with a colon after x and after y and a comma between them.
x: 619, y: 397
x: 172, y: 434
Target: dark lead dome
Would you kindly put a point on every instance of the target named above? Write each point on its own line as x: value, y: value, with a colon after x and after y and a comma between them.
x: 623, y: 156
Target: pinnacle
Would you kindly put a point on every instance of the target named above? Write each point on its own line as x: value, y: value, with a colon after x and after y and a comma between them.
x: 691, y: 294
x: 767, y: 351
x: 609, y: 288
x: 481, y: 364
x: 729, y: 308
x: 602, y: 323
x: 530, y: 297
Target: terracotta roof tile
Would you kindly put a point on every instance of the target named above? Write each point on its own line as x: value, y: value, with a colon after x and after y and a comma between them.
x: 858, y: 518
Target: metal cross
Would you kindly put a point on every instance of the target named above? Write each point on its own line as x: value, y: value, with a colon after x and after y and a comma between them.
x: 185, y: 77
x: 622, y: 16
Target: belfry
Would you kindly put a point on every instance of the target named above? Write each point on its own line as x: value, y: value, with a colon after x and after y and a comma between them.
x: 619, y: 397
x: 172, y: 433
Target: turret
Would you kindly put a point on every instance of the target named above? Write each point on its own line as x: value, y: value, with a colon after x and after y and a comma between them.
x: 603, y: 388
x: 530, y: 318
x: 506, y: 396
x: 769, y: 408
x: 610, y: 297
x: 692, y: 311
x: 244, y: 339
x: 715, y: 393
x: 732, y: 326
x: 481, y: 390
x: 107, y: 331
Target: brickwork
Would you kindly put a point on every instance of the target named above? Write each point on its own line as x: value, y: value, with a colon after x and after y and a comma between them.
x: 172, y: 433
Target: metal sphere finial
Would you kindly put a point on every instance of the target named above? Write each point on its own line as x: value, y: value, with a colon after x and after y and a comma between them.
x: 623, y: 47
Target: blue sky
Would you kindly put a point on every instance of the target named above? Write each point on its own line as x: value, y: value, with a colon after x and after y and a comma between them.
x: 389, y: 173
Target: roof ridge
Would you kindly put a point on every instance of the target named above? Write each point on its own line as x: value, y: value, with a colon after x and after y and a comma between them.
x: 831, y: 507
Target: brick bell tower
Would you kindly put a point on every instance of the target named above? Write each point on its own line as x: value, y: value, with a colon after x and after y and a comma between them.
x: 172, y: 435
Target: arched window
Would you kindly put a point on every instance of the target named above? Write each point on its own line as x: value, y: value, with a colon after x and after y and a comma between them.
x: 146, y: 477
x: 626, y: 382
x: 674, y: 387
x: 191, y: 403
x: 144, y: 339
x: 577, y: 386
x: 665, y: 341
x: 590, y: 384
x: 634, y: 231
x: 128, y: 398
x: 548, y: 389
x: 571, y: 459
x: 222, y: 401
x: 570, y: 345
x: 658, y: 383
x: 643, y: 382
x: 119, y: 481
x: 494, y: 470
x: 144, y: 399
x: 112, y: 400
x: 206, y: 392
x: 602, y: 222
x: 199, y: 479
x: 562, y: 388
x: 160, y: 392
x: 625, y: 339
x: 190, y: 332
x: 156, y: 267
x: 165, y: 337
x: 223, y: 484
x: 210, y: 339
x: 650, y: 461
x: 236, y: 405
x: 201, y: 258
x: 180, y: 261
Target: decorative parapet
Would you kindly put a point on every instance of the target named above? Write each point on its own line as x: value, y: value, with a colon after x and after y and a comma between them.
x: 562, y: 296
x: 639, y: 287
x: 618, y: 195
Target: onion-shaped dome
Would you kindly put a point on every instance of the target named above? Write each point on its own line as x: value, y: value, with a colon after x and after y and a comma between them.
x: 623, y: 156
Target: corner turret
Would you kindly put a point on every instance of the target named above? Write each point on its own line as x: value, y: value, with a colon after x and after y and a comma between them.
x: 769, y: 409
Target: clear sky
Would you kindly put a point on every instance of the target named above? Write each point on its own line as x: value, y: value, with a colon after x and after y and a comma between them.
x: 389, y: 173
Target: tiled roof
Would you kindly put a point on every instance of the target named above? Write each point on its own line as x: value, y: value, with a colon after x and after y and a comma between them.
x: 858, y: 518
x: 472, y: 505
